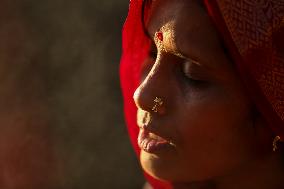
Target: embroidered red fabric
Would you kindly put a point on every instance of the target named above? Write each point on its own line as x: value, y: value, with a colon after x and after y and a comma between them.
x: 253, y: 32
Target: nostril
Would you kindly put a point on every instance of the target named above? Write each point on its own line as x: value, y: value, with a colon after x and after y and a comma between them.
x: 147, y: 119
x: 144, y: 118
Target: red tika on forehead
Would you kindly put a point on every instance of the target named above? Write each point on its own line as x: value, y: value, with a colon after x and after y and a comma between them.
x: 160, y: 36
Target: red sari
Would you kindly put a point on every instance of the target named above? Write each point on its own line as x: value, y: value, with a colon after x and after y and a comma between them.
x: 253, y: 33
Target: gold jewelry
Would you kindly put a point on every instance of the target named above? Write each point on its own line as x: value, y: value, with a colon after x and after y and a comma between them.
x: 157, y: 103
x: 275, y: 142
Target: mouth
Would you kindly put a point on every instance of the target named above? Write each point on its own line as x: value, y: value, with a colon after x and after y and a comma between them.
x: 152, y: 143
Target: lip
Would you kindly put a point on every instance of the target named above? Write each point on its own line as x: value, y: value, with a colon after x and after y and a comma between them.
x: 152, y: 143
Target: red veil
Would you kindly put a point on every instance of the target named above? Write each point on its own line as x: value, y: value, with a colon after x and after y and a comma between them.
x: 253, y: 32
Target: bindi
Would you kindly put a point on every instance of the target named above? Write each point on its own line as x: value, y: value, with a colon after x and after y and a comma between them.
x: 160, y: 36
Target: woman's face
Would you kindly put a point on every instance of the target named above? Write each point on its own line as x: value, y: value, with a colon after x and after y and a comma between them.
x: 205, y: 122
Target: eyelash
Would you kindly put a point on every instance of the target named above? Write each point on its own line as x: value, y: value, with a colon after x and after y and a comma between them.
x: 190, y: 80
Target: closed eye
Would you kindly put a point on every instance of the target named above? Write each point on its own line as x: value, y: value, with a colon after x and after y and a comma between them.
x: 192, y: 72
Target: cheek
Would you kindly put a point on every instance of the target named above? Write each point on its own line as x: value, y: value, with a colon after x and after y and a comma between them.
x: 214, y: 135
x: 215, y: 110
x: 214, y: 124
x: 204, y: 124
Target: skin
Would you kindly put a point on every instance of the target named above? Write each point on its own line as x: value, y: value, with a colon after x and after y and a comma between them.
x: 218, y: 140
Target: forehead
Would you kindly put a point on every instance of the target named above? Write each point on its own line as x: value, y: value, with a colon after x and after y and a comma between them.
x: 179, y: 15
x: 186, y: 24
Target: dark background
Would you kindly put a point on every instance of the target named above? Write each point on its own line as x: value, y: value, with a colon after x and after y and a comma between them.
x: 59, y: 63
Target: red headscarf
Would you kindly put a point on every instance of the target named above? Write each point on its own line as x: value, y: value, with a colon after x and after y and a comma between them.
x: 253, y: 32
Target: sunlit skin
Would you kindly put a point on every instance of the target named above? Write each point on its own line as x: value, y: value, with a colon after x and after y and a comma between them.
x: 218, y: 141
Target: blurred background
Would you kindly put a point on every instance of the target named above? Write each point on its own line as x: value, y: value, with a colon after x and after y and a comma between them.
x: 61, y: 113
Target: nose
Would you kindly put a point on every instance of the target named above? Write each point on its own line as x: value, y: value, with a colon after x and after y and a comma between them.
x: 144, y: 98
x: 151, y: 95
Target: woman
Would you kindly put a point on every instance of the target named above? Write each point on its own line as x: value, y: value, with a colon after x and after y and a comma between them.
x: 208, y: 85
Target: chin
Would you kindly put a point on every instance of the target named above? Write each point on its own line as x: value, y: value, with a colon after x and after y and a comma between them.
x: 169, y: 168
x: 160, y: 167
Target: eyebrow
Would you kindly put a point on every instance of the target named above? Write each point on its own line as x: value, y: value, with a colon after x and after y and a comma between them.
x: 178, y: 51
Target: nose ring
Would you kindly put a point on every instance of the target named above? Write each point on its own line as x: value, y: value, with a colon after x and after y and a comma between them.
x: 158, y: 102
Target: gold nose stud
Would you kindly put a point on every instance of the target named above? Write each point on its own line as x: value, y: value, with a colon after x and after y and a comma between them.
x: 158, y: 102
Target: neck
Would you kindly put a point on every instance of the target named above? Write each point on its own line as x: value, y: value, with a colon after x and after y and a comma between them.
x: 264, y: 173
